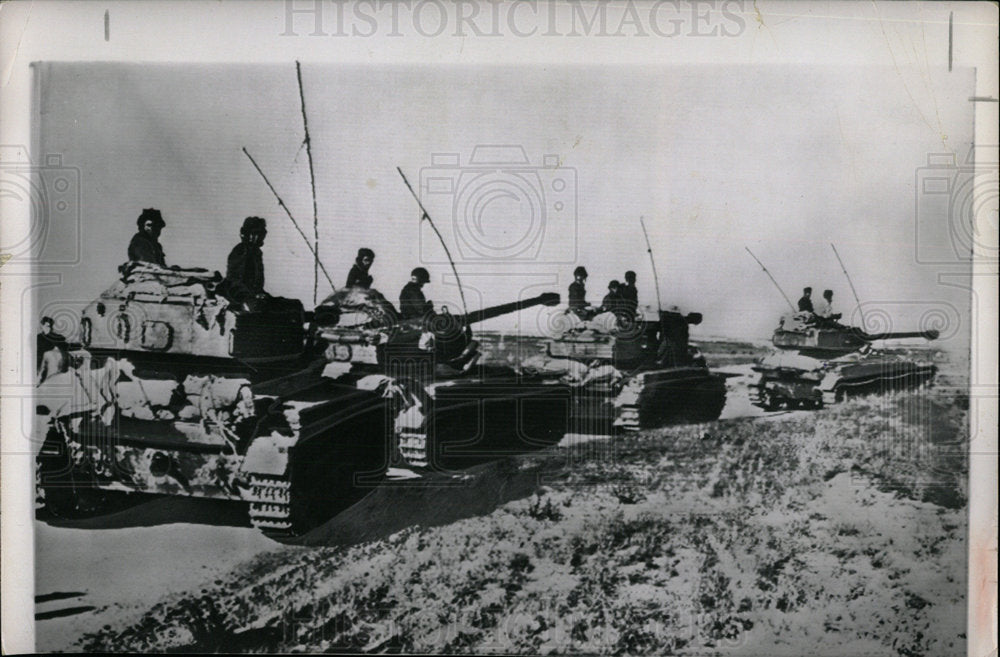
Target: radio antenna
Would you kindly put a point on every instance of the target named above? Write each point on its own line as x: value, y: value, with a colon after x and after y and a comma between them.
x: 312, y: 183
x: 289, y: 214
x: 425, y: 216
x: 656, y: 279
x: 790, y: 304
x: 861, y: 313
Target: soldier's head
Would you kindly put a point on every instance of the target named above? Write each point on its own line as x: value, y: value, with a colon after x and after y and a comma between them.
x: 613, y: 286
x: 47, y: 323
x: 630, y: 277
x: 253, y: 231
x: 828, y: 295
x: 580, y: 274
x: 151, y: 222
x: 420, y: 276
x: 807, y: 291
x: 365, y: 258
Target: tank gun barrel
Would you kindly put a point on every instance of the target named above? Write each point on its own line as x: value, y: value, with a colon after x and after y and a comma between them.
x: 546, y: 299
x: 930, y: 334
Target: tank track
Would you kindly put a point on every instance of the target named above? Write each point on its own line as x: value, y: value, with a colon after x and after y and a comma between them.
x: 270, y: 507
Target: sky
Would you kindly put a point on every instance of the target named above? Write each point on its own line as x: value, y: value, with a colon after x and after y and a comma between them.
x: 782, y: 159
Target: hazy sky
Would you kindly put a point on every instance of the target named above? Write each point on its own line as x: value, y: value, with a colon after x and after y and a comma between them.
x: 783, y: 159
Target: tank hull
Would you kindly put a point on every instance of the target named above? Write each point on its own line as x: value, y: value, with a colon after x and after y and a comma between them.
x: 315, y: 444
x: 830, y: 382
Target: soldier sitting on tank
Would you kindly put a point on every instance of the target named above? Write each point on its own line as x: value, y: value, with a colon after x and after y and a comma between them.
x: 613, y: 301
x: 805, y: 303
x: 824, y: 310
x: 629, y: 295
x: 412, y: 303
x: 578, y: 295
x: 244, y: 282
x: 145, y: 245
x: 359, y: 276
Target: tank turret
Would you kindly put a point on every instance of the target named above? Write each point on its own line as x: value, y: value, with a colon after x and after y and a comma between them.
x: 814, y: 336
x: 154, y: 311
x: 362, y: 328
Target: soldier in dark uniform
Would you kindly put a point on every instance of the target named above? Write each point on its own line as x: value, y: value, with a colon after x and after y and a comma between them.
x: 805, y: 303
x: 412, y: 303
x: 359, y: 276
x: 145, y: 244
x: 612, y: 301
x: 629, y: 295
x: 244, y: 280
x: 578, y: 293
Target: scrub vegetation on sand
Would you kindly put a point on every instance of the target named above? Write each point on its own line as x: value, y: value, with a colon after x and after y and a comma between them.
x: 838, y: 532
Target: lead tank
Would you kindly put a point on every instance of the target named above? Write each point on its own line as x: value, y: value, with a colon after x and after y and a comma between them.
x: 448, y: 409
x: 819, y: 361
x: 629, y: 371
x: 176, y: 391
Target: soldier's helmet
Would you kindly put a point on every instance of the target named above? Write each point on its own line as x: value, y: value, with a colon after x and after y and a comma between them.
x: 421, y: 275
x: 580, y: 271
x: 150, y: 214
x: 630, y: 276
x: 365, y: 253
x: 614, y: 285
x: 253, y: 224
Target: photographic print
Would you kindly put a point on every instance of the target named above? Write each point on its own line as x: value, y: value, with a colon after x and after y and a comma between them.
x: 313, y: 349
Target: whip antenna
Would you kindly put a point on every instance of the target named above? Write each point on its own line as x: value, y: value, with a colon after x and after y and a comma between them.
x: 427, y: 217
x: 849, y: 282
x: 289, y: 214
x: 312, y: 183
x: 790, y: 304
x: 656, y: 279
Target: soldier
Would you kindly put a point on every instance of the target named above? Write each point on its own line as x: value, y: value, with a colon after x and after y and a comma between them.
x: 578, y: 293
x: 145, y: 244
x: 613, y: 302
x: 412, y: 303
x: 51, y: 351
x: 805, y: 303
x: 824, y: 308
x: 629, y: 295
x: 244, y: 280
x: 359, y: 276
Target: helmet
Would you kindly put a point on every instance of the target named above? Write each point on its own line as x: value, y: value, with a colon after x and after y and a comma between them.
x: 150, y: 214
x: 365, y: 253
x: 807, y: 290
x: 421, y: 275
x: 613, y: 284
x: 580, y: 271
x: 630, y: 275
x: 251, y: 224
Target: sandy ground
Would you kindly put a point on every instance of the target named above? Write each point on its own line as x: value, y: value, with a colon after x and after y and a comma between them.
x: 91, y: 572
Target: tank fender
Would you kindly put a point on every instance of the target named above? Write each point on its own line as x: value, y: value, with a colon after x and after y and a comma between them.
x: 829, y: 383
x: 268, y: 455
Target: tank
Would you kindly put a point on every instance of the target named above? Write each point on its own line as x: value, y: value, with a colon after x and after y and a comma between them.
x: 629, y: 372
x: 819, y: 361
x: 448, y: 410
x: 173, y: 390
